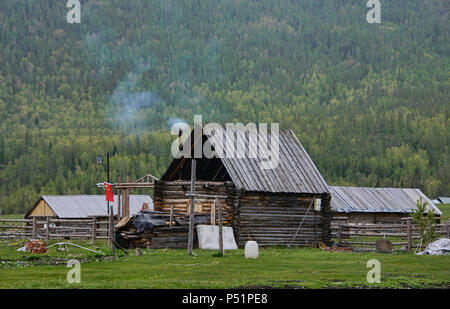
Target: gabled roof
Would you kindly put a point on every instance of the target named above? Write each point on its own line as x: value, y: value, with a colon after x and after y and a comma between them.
x: 295, y: 172
x: 361, y: 199
x: 84, y: 206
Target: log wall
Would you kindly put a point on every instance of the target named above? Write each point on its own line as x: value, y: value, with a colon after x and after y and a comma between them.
x: 371, y: 218
x: 269, y: 218
x: 274, y: 219
x: 168, y: 193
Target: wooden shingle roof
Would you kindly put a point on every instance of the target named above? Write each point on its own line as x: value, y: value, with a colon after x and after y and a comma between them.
x: 295, y: 172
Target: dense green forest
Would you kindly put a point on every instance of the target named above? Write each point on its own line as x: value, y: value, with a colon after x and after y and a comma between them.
x: 370, y: 102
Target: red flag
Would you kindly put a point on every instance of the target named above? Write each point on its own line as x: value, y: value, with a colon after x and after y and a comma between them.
x: 109, y: 192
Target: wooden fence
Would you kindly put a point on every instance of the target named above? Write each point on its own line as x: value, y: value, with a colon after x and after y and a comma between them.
x: 364, y: 236
x: 48, y: 229
x: 357, y: 236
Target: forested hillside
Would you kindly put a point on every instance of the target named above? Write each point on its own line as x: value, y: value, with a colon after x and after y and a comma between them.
x: 370, y: 102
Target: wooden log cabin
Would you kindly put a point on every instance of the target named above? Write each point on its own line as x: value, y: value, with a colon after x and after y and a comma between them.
x: 364, y: 205
x: 271, y: 206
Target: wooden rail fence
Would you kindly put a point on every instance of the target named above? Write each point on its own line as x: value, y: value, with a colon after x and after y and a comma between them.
x: 364, y: 236
x: 48, y: 229
x: 361, y: 236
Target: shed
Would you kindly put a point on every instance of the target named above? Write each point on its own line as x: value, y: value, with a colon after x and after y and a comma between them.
x: 81, y: 206
x: 376, y: 205
x: 266, y: 205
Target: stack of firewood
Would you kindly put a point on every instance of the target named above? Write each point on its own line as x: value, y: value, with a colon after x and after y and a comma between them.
x: 36, y: 246
x: 163, y: 235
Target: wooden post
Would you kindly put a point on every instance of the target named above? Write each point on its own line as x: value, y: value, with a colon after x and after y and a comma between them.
x: 94, y: 229
x: 219, y: 213
x: 171, y: 215
x: 191, y: 209
x: 118, y: 204
x: 213, y: 213
x: 34, y: 228
x: 47, y: 229
x: 315, y: 228
x: 110, y: 227
x: 448, y: 229
x: 409, y: 234
x: 111, y: 231
x: 126, y: 203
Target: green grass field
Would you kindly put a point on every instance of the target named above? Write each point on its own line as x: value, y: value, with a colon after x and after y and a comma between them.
x: 276, y: 267
x: 445, y: 208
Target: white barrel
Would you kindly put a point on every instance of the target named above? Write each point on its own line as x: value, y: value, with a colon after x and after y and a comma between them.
x: 251, y: 250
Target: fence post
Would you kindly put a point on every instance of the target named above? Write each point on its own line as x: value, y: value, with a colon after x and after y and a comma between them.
x: 47, y: 229
x: 409, y: 234
x: 448, y: 229
x: 33, y: 232
x: 219, y: 208
x: 213, y: 213
x: 94, y: 229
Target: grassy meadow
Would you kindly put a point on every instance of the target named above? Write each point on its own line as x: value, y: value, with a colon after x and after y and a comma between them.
x: 275, y: 268
x: 445, y: 208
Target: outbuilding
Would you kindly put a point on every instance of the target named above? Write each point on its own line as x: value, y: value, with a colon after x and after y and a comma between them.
x: 81, y: 206
x: 377, y: 205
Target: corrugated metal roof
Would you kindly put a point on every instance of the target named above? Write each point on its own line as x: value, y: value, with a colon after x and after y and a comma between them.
x: 361, y: 199
x: 83, y: 206
x: 444, y: 200
x: 295, y: 173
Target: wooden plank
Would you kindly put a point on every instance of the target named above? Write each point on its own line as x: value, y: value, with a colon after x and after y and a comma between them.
x: 47, y: 230
x: 16, y: 227
x: 33, y: 233
x: 94, y: 229
x: 17, y: 220
x: 171, y: 215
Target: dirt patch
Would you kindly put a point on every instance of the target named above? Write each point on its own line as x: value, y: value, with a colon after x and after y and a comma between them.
x: 49, y: 261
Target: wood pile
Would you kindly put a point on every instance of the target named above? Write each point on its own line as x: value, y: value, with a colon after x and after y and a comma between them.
x: 36, y: 246
x: 152, y: 230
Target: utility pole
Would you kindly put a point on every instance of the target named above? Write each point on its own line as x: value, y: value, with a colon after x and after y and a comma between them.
x: 112, y: 233
x: 109, y: 209
x: 191, y: 208
x: 107, y: 171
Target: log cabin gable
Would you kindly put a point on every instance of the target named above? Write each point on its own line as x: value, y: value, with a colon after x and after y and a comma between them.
x: 207, y: 170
